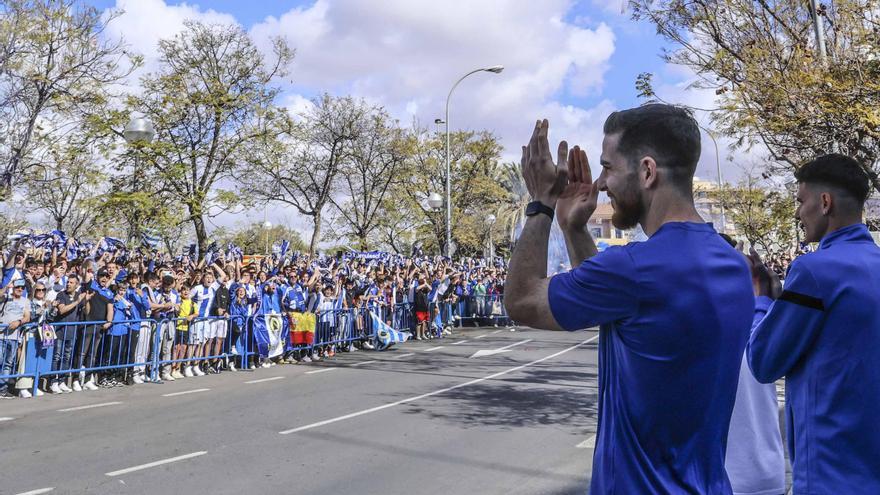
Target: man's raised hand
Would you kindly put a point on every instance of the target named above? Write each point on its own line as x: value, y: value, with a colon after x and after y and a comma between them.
x: 766, y: 281
x: 544, y: 180
x: 578, y: 200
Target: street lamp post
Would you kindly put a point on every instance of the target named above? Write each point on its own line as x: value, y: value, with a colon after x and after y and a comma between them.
x: 267, y: 225
x: 495, y: 69
x: 435, y: 202
x: 720, y: 180
x: 138, y: 131
x: 491, y: 220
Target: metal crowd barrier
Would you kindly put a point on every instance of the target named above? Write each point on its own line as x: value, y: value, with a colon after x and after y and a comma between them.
x: 150, y: 346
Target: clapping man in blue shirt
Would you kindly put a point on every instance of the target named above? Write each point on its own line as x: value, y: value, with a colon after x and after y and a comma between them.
x: 674, y: 312
x: 822, y: 333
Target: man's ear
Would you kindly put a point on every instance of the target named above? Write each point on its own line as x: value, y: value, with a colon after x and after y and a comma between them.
x: 826, y: 202
x: 648, y: 172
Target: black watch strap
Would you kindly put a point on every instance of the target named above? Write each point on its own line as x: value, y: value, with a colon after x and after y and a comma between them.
x: 536, y: 207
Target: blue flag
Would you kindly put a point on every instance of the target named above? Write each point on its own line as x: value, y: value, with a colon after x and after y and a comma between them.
x: 385, y: 334
x: 437, y: 324
x: 270, y: 331
x: 151, y: 238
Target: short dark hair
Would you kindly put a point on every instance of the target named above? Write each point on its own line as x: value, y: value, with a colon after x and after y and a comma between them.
x: 838, y: 171
x: 667, y: 133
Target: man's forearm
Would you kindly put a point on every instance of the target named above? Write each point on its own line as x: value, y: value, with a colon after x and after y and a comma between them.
x: 580, y: 246
x: 528, y: 263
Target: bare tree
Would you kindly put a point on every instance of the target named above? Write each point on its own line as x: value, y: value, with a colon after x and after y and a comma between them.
x: 55, y: 71
x: 301, y: 168
x: 377, y: 157
x: 66, y: 188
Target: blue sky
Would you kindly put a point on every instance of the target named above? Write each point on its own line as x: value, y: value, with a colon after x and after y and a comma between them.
x: 570, y: 62
x: 637, y: 46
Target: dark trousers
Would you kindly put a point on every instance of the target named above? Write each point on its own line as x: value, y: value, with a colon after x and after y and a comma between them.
x: 87, y: 348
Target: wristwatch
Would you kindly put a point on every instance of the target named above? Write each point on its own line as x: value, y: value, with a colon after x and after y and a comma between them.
x: 536, y: 207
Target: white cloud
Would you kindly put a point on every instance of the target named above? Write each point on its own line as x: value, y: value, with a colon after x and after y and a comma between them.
x: 406, y: 55
x: 144, y: 22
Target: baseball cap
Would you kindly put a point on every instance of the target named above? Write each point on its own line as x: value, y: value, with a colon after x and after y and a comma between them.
x: 18, y: 283
x: 103, y: 273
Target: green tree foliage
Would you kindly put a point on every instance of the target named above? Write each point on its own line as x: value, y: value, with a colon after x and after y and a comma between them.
x: 56, y: 69
x: 252, y: 238
x: 773, y: 85
x: 764, y: 215
x: 212, y: 95
x: 476, y: 188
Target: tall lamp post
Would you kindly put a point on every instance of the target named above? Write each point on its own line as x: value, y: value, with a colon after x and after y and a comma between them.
x: 435, y: 202
x: 267, y: 225
x: 491, y: 220
x: 495, y: 69
x: 138, y: 131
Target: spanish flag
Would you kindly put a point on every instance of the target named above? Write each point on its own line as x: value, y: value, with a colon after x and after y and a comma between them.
x: 302, y: 329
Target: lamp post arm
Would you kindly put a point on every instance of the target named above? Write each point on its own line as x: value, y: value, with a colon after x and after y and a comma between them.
x: 448, y: 173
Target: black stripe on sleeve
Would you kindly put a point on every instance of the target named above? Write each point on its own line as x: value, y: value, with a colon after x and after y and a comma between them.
x: 802, y: 300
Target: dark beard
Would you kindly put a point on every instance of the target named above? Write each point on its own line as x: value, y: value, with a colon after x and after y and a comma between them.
x: 627, y: 211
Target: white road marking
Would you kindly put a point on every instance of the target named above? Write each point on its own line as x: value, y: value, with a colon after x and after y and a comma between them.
x: 433, y: 348
x: 193, y: 391
x: 90, y: 406
x: 436, y: 392
x: 493, y: 333
x: 408, y: 354
x: 261, y: 380
x: 491, y: 352
x: 365, y: 362
x: 154, y: 464
x: 481, y: 336
x: 320, y: 370
x: 6, y: 419
x: 589, y: 443
x: 460, y: 342
x: 38, y: 491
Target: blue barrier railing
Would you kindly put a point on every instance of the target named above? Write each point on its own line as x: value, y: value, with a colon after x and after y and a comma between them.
x: 153, y: 349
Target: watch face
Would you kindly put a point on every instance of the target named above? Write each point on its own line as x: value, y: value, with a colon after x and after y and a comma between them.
x: 531, y: 209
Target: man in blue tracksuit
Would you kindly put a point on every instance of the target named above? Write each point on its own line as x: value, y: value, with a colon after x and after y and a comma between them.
x: 822, y: 333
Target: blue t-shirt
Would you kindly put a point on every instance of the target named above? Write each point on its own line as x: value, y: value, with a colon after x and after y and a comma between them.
x: 674, y: 315
x: 121, y: 312
x: 823, y: 335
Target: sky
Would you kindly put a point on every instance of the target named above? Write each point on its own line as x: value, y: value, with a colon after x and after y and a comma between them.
x: 572, y: 62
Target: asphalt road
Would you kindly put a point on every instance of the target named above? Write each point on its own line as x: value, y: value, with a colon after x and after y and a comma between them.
x: 422, y: 418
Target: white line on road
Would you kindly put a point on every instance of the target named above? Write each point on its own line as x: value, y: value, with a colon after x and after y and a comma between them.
x: 481, y: 336
x: 514, y: 344
x: 492, y: 352
x: 320, y: 370
x: 154, y: 464
x: 589, y: 443
x: 460, y: 342
x: 193, y: 391
x: 436, y: 392
x: 433, y: 348
x: 365, y: 362
x: 408, y: 354
x: 261, y: 380
x: 493, y: 333
x: 90, y: 406
x: 38, y: 491
x: 6, y: 419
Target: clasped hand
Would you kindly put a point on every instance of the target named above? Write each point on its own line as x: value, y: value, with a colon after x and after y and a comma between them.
x: 566, y: 186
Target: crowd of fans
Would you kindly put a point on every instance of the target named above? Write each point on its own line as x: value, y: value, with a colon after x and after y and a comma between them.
x: 107, y: 311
